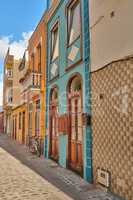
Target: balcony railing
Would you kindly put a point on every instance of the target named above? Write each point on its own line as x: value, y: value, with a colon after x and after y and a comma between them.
x: 36, y: 80
x: 32, y: 81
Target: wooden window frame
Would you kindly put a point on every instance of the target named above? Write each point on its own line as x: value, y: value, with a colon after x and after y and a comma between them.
x: 39, y: 48
x: 23, y: 62
x: 33, y: 62
x: 37, y: 117
x: 53, y: 29
x: 9, y: 73
x: 30, y: 120
x: 38, y: 104
x: 20, y: 120
x: 71, y: 5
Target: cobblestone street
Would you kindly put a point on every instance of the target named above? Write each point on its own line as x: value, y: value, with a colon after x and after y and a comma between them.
x: 25, y: 177
x: 19, y: 182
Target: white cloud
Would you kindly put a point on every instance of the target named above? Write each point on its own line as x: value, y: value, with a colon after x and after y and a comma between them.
x: 17, y: 48
x: 4, y: 44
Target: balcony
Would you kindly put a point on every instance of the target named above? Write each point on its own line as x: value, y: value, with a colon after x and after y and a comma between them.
x: 31, y: 81
x: 36, y: 80
x: 31, y: 85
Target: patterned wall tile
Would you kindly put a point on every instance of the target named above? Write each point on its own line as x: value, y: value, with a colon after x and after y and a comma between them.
x: 112, y: 124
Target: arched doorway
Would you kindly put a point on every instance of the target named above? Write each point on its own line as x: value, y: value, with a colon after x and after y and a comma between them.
x: 75, y: 141
x: 53, y: 124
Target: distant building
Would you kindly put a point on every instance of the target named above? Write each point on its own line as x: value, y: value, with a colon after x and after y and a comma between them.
x: 8, y: 92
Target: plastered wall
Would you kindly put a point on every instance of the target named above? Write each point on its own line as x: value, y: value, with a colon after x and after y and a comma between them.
x: 111, y: 28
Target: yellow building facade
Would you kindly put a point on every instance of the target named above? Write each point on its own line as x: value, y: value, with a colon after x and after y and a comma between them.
x: 32, y: 95
x: 37, y: 60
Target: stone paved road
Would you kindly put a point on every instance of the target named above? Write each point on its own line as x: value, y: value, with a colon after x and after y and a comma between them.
x: 18, y: 182
x: 25, y: 177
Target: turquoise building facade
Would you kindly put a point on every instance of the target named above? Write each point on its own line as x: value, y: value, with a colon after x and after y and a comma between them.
x: 68, y: 118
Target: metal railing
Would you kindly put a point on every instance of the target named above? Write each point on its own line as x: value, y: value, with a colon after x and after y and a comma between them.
x: 32, y: 81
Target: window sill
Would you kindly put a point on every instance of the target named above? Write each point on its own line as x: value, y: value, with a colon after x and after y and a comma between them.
x: 72, y: 43
x: 53, y: 61
x: 54, y: 78
x: 73, y: 66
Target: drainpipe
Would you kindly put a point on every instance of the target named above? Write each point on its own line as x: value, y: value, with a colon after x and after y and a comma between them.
x: 86, y: 57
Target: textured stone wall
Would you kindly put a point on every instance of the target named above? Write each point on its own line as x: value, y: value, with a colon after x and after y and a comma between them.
x: 112, y: 124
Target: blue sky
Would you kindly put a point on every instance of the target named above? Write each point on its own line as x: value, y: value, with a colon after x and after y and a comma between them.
x: 18, y: 18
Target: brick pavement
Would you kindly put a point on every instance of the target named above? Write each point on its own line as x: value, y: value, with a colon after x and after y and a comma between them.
x: 25, y: 177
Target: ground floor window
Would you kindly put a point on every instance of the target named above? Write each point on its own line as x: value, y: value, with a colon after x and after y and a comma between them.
x: 37, y: 118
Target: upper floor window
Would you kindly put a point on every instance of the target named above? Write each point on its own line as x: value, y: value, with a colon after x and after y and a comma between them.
x: 23, y: 62
x: 9, y: 73
x: 39, y: 58
x: 38, y: 104
x: 55, y: 42
x: 10, y: 95
x: 10, y: 99
x: 20, y: 118
x: 32, y: 62
x: 74, y: 21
